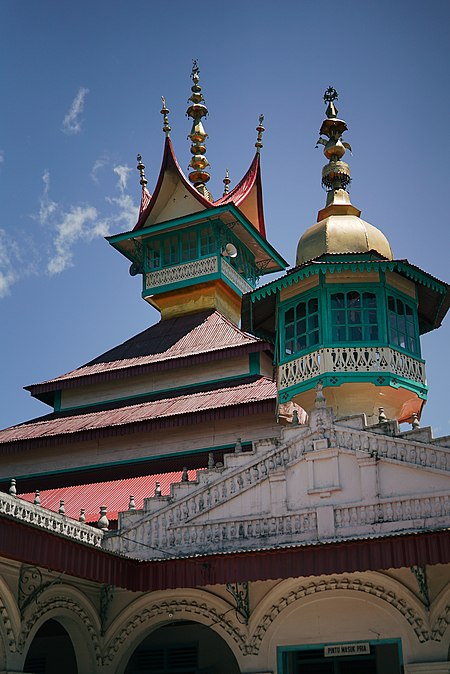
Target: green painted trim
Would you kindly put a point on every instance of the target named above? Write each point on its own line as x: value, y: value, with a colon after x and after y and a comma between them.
x: 323, y: 268
x: 282, y: 650
x: 96, y: 466
x: 391, y: 380
x: 200, y: 217
x: 254, y: 362
x: 57, y: 401
x: 333, y: 267
x: 164, y: 390
x: 421, y: 277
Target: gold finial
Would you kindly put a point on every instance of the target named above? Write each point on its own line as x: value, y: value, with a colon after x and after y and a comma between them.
x: 260, y: 129
x: 141, y: 168
x: 165, y: 112
x: 197, y: 110
x: 226, y: 181
x: 335, y: 174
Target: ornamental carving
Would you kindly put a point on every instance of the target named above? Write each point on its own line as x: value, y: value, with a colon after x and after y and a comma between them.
x: 46, y: 519
x: 235, y: 277
x: 440, y: 624
x: 354, y: 584
x: 8, y: 629
x: 350, y: 359
x: 181, y: 272
x: 168, y: 610
x: 57, y: 604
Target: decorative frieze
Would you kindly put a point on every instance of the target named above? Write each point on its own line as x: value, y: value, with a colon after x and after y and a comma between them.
x: 38, y: 516
x: 348, y: 360
x: 235, y: 277
x: 181, y: 272
x: 416, y: 621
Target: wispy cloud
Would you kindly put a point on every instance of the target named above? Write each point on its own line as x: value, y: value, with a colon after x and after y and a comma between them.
x: 72, y: 121
x: 99, y: 164
x: 123, y: 172
x: 82, y: 223
x: 8, y: 262
x: 47, y: 206
x: 79, y: 223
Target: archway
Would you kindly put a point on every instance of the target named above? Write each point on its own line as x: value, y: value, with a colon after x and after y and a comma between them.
x: 51, y: 651
x: 183, y: 647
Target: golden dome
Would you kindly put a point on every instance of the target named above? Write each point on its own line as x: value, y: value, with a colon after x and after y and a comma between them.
x: 340, y: 230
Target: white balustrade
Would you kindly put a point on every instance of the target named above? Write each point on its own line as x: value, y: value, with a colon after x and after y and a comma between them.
x: 350, y: 359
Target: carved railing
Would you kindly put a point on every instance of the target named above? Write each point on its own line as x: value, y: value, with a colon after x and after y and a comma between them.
x: 235, y: 277
x: 181, y: 272
x: 188, y: 538
x: 402, y: 509
x: 407, y: 451
x: 15, y: 507
x: 350, y: 359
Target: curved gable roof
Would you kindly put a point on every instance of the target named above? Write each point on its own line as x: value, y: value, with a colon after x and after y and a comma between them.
x: 174, y: 196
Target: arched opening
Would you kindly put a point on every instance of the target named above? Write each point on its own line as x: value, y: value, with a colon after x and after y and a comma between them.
x: 51, y: 651
x: 183, y: 647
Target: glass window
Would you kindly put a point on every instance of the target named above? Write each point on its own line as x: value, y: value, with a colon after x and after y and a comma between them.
x: 189, y: 246
x: 354, y: 316
x: 402, y: 325
x: 153, y: 255
x: 207, y: 242
x: 301, y: 326
x: 171, y: 251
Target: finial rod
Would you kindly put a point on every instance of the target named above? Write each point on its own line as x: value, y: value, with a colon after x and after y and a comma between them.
x: 141, y: 168
x: 335, y: 174
x: 226, y: 182
x: 260, y: 129
x: 197, y: 110
x: 165, y: 112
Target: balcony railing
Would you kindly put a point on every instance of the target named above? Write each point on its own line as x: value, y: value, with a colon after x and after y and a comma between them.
x: 350, y: 359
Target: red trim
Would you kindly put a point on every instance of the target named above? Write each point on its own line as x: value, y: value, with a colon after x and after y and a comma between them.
x: 242, y: 190
x: 30, y: 545
x: 169, y: 161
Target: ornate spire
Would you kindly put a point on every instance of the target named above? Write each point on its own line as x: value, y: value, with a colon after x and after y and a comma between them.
x: 141, y: 168
x: 226, y: 182
x: 260, y: 129
x: 197, y: 110
x: 335, y: 174
x: 145, y: 196
x: 165, y: 112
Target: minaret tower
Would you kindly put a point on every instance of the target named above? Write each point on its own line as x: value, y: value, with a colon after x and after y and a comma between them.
x: 194, y: 253
x: 349, y: 316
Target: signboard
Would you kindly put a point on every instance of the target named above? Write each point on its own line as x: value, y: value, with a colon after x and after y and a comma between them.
x: 359, y: 648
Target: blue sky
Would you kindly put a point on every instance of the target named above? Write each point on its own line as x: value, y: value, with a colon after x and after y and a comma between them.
x: 81, y: 88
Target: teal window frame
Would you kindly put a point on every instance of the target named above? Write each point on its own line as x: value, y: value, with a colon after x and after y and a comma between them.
x: 409, y: 329
x: 195, y: 243
x: 350, y: 339
x: 180, y: 246
x: 310, y: 323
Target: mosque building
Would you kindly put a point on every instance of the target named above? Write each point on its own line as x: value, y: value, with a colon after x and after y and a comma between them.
x: 233, y: 489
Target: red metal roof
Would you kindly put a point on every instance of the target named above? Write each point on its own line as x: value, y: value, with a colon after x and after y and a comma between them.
x: 166, y: 341
x: 114, y: 494
x: 263, y: 389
